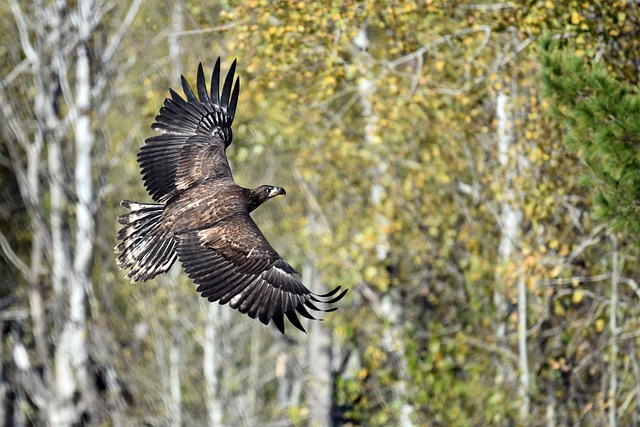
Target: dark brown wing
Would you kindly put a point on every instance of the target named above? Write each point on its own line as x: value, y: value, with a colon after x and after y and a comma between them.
x: 193, y: 132
x: 232, y: 262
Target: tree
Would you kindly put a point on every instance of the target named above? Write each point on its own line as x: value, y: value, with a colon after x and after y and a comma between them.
x: 601, y: 116
x: 52, y: 152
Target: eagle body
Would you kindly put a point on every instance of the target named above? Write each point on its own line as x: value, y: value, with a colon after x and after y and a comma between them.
x: 202, y: 217
x: 205, y: 204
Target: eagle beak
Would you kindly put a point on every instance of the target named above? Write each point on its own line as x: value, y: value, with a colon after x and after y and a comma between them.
x: 277, y: 191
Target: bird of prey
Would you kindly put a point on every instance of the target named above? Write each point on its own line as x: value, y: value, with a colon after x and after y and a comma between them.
x: 202, y: 217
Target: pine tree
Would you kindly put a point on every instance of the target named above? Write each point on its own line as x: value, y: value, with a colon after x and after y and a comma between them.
x: 602, y: 116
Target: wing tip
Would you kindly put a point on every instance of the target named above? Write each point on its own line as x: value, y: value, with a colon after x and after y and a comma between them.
x: 326, y: 298
x: 301, y: 308
x: 291, y: 315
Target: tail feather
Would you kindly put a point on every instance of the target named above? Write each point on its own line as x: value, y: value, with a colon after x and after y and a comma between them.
x: 145, y: 248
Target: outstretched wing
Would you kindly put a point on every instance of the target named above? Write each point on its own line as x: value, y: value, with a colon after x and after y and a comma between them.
x: 194, y: 134
x: 232, y: 262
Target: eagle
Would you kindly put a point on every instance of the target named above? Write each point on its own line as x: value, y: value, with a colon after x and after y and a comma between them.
x: 202, y: 217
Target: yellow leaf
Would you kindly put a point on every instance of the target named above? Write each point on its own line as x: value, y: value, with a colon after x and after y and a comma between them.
x: 444, y: 178
x: 577, y: 296
x: 370, y: 273
x: 575, y: 18
x: 362, y: 374
x: 599, y: 325
x: 556, y: 271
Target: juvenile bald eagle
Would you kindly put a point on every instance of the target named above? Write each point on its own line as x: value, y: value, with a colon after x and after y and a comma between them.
x: 202, y: 215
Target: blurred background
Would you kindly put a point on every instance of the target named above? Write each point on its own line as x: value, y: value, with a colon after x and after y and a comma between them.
x: 469, y: 169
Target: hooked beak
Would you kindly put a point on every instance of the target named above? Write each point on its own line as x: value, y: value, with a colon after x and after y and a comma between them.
x: 277, y: 191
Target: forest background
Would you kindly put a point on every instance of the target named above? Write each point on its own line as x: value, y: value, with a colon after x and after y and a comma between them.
x: 469, y: 169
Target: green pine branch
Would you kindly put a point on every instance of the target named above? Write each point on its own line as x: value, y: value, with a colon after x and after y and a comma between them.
x: 602, y: 117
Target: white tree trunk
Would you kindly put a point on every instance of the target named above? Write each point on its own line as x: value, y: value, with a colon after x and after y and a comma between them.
x: 49, y: 119
x: 511, y: 225
x: 367, y: 89
x: 613, y: 326
x: 211, y: 363
x: 175, y: 405
x: 320, y: 391
x: 72, y: 353
x: 177, y: 332
x: 522, y: 349
x: 38, y: 243
x: 30, y: 189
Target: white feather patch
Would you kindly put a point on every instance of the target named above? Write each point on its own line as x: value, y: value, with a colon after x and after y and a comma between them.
x: 234, y: 301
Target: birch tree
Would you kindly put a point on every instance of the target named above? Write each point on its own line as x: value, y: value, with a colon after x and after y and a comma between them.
x: 176, y: 343
x: 511, y: 161
x: 56, y: 136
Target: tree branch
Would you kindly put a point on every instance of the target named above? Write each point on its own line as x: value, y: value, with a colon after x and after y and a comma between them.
x: 12, y: 256
x: 21, y: 22
x: 115, y: 41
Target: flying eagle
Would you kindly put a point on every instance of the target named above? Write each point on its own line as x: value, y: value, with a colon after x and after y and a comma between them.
x: 202, y: 217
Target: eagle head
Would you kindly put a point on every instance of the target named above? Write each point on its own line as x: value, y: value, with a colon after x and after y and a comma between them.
x: 261, y: 194
x: 275, y: 191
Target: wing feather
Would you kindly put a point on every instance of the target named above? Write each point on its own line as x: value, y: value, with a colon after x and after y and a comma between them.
x: 257, y: 300
x: 194, y: 130
x: 228, y: 81
x: 249, y: 296
x: 201, y: 85
x: 234, y: 296
x: 278, y: 320
x: 216, y: 259
x: 291, y: 315
x: 191, y: 97
x: 234, y: 100
x: 215, y: 83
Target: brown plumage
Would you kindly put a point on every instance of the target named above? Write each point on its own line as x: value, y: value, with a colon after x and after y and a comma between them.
x: 201, y: 216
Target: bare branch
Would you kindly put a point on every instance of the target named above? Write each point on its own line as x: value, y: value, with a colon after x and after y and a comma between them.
x: 440, y: 40
x: 632, y: 284
x: 200, y: 31
x: 12, y: 256
x: 311, y: 199
x: 17, y: 314
x: 486, y: 346
x: 122, y: 29
x: 576, y: 279
x: 484, y: 7
x: 17, y: 70
x: 612, y: 392
x: 21, y: 22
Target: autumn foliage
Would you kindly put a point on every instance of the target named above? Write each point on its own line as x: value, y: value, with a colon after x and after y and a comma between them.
x: 470, y: 170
